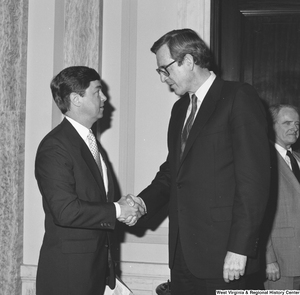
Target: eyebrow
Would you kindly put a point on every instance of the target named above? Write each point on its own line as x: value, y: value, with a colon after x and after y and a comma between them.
x: 290, y: 121
x: 162, y: 67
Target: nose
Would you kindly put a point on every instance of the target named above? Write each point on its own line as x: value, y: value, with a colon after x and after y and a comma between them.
x: 102, y: 96
x: 294, y: 126
x: 163, y: 77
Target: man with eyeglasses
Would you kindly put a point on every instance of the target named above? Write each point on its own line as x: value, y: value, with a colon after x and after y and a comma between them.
x: 216, y: 175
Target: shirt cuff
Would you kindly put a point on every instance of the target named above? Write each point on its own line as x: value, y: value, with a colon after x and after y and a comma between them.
x: 118, y: 209
x: 143, y: 204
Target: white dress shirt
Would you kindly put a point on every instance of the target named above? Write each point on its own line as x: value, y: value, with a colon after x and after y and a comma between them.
x: 200, y: 93
x: 282, y: 151
x: 83, y: 132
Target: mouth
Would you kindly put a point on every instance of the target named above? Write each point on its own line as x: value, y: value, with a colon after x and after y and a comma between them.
x: 172, y: 85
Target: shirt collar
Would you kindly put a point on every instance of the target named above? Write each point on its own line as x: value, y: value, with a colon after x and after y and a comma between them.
x: 281, y: 150
x: 203, y: 89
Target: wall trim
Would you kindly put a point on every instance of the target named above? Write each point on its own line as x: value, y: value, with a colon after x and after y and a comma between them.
x: 140, y: 277
x: 28, y: 278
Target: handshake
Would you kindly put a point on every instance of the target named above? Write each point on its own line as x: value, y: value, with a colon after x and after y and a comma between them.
x: 132, y: 209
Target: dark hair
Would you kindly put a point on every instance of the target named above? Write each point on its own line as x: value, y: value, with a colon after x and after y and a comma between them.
x: 275, y: 109
x: 182, y: 42
x: 72, y: 79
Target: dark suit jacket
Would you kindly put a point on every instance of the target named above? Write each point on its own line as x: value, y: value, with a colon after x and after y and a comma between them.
x: 284, y: 241
x: 218, y: 191
x: 78, y: 218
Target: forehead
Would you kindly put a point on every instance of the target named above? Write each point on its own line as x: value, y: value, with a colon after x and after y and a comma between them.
x: 163, y: 56
x: 288, y: 114
x: 95, y: 85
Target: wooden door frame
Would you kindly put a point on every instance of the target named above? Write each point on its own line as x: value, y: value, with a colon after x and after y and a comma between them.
x: 248, y: 7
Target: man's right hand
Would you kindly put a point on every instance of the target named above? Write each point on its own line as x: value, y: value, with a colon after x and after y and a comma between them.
x: 131, y: 200
x: 273, y: 271
x: 131, y: 209
x: 234, y: 266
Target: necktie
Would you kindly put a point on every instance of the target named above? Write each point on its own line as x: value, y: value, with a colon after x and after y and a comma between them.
x: 189, y: 123
x: 294, y: 165
x: 94, y: 149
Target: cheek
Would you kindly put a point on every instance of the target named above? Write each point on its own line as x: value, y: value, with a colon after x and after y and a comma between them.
x: 96, y: 102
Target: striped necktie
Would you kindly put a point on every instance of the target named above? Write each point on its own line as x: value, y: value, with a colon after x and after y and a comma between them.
x: 189, y: 123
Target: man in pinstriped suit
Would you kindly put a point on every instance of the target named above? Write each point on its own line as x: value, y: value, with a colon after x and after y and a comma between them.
x: 283, y: 247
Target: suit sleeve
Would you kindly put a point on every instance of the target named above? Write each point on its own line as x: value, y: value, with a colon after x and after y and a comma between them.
x: 157, y: 193
x: 270, y: 253
x: 69, y: 193
x: 251, y: 163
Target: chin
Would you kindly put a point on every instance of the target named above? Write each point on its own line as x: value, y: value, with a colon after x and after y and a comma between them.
x: 179, y: 93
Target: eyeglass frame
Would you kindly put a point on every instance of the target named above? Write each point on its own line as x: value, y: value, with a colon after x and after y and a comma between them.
x: 163, y: 69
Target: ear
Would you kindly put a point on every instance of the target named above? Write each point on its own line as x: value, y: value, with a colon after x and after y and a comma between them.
x: 75, y: 99
x: 189, y: 61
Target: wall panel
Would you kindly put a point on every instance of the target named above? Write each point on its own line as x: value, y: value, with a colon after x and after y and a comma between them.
x: 13, y: 42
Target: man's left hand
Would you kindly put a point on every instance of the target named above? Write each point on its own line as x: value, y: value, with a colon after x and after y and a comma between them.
x: 234, y: 266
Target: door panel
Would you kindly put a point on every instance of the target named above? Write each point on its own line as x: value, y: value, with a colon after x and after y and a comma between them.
x: 258, y: 42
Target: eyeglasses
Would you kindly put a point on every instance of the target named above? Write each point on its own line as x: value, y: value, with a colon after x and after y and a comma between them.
x: 163, y: 69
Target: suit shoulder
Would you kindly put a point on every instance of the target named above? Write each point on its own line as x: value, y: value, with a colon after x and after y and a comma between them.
x: 233, y: 87
x: 244, y: 97
x: 60, y: 133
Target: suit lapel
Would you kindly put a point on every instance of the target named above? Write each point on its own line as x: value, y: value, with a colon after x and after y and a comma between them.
x: 91, y: 163
x: 287, y: 173
x: 110, y: 193
x: 177, y: 125
x: 205, y: 112
x: 80, y: 148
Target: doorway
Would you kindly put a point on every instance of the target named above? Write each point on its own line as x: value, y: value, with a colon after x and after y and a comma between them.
x: 258, y: 42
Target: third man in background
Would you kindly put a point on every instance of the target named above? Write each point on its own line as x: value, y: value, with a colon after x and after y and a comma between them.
x: 283, y: 249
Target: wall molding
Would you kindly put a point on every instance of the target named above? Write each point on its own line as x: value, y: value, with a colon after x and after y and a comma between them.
x: 28, y: 278
x: 141, y: 278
